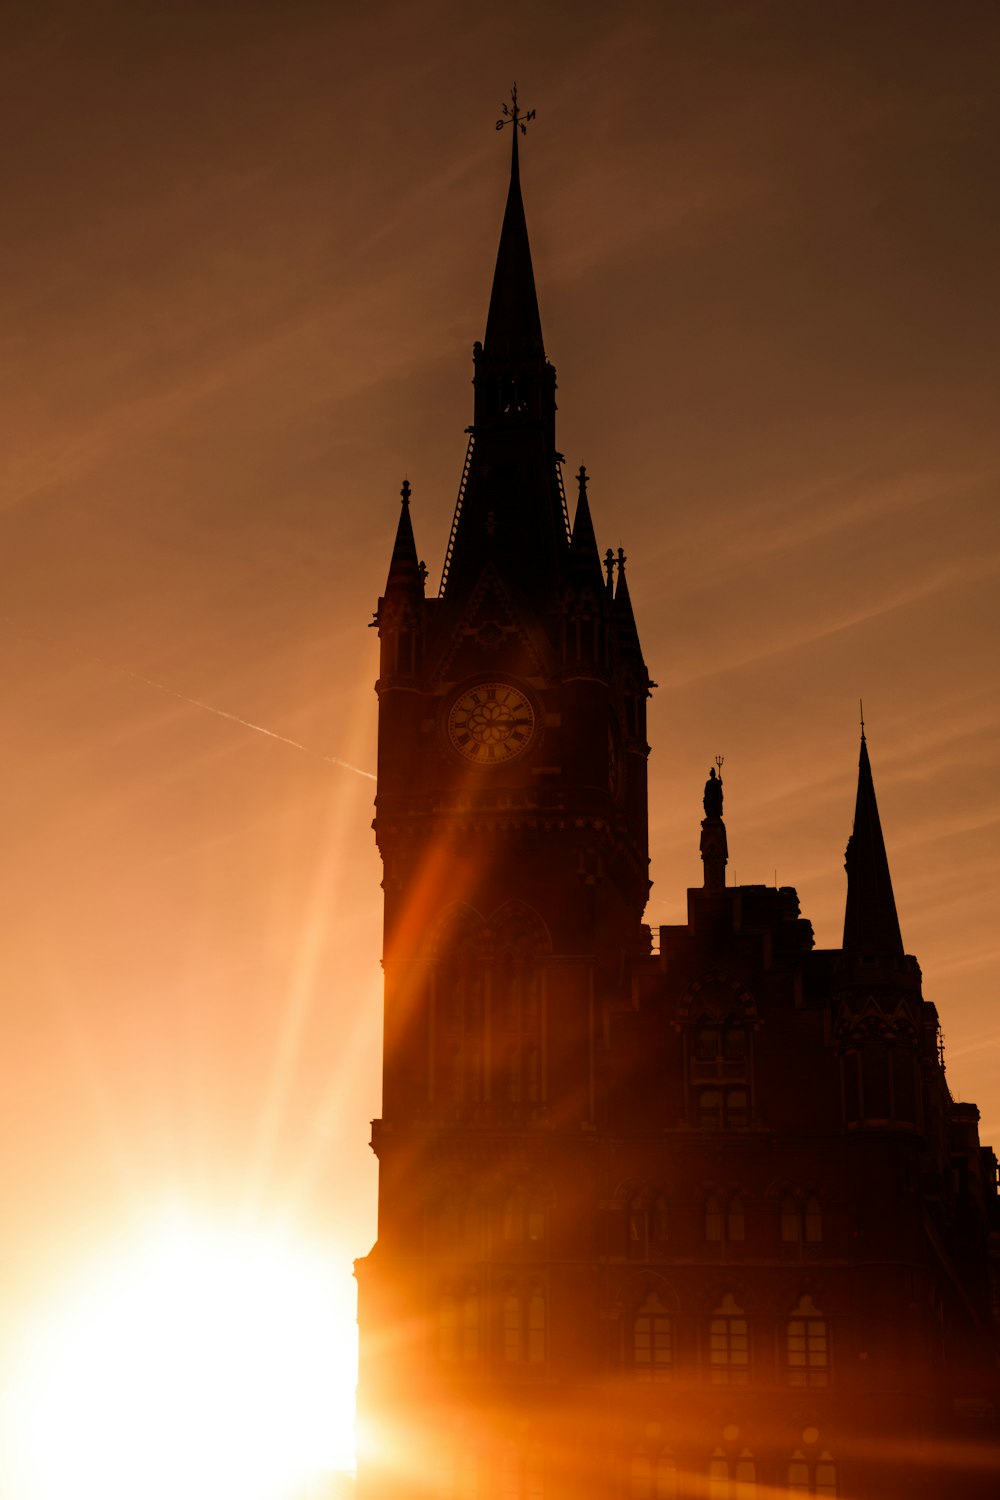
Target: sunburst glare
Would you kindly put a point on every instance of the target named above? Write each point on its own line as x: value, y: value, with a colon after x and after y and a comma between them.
x: 213, y: 1363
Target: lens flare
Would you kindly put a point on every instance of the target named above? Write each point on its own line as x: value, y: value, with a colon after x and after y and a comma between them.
x: 217, y: 1364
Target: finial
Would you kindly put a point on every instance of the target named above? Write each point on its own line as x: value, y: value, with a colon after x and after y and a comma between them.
x: 861, y: 702
x: 609, y: 563
x: 405, y: 493
x: 512, y: 114
x: 622, y: 560
x: 581, y: 480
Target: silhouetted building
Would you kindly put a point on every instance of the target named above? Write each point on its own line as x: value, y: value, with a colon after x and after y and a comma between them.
x: 675, y: 1213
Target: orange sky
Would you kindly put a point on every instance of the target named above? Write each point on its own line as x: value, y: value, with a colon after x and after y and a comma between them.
x: 246, y: 252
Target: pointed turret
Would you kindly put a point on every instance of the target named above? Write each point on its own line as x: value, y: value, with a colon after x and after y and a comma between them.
x: 584, y: 556
x: 400, y: 612
x: 871, y: 926
x: 627, y: 629
x: 405, y: 573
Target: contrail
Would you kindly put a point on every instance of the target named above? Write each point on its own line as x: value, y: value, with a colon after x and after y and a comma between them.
x: 330, y: 760
x: 210, y: 708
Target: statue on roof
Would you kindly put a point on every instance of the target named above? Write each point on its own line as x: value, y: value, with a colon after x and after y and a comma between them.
x: 713, y: 794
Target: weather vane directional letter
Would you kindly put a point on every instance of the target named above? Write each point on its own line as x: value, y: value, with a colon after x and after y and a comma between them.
x: 513, y: 116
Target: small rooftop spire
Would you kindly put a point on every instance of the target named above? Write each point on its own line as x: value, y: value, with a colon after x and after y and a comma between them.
x: 404, y: 569
x: 871, y: 926
x: 583, y: 544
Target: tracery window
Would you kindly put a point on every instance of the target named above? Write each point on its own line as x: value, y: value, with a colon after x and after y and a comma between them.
x: 524, y: 1218
x: 459, y: 1325
x: 732, y: 1477
x: 791, y: 1228
x: 523, y: 1325
x: 725, y: 1220
x: 652, y: 1475
x: 814, y: 1220
x: 719, y: 1071
x: 807, y: 1348
x: 637, y: 1246
x: 808, y: 1476
x: 801, y: 1220
x: 465, y: 1476
x: 728, y: 1344
x: 652, y: 1341
x: 522, y: 1472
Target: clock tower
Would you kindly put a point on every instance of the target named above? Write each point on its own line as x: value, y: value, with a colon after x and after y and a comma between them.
x: 512, y: 825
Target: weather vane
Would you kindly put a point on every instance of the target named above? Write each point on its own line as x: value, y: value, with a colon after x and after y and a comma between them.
x: 512, y: 114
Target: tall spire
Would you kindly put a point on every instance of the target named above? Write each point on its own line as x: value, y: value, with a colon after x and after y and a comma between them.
x: 513, y: 325
x: 510, y: 513
x: 871, y: 926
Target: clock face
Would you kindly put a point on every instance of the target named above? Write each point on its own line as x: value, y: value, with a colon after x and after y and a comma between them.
x: 491, y: 723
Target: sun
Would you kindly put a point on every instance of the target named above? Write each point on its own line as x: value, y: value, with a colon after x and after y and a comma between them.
x: 204, y: 1362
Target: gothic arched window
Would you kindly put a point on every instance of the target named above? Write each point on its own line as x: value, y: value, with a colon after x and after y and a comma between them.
x: 523, y: 1325
x: 636, y: 1245
x: 812, y: 1477
x: 736, y: 1227
x: 807, y: 1349
x: 732, y: 1477
x: 791, y: 1231
x: 652, y: 1475
x: 714, y: 1221
x: 652, y: 1341
x: 728, y: 1344
x: 814, y: 1220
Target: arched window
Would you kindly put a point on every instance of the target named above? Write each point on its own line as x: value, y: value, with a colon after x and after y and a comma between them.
x: 470, y: 1326
x: 536, y: 1327
x: 510, y: 1472
x: 710, y: 1109
x: 826, y: 1476
x: 707, y: 1040
x: 734, y: 1038
x: 732, y: 1478
x: 448, y: 1327
x: 636, y: 1245
x: 798, y: 1475
x: 513, y: 1217
x: 465, y: 1475
x: 736, y: 1224
x: 736, y: 1107
x: 534, y: 1473
x: 659, y: 1222
x: 728, y: 1345
x: 641, y: 1477
x: 807, y: 1476
x: 652, y: 1475
x: 807, y: 1350
x: 713, y: 1218
x: 523, y: 1325
x: 814, y: 1220
x: 790, y: 1221
x: 652, y: 1341
x: 512, y: 1347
